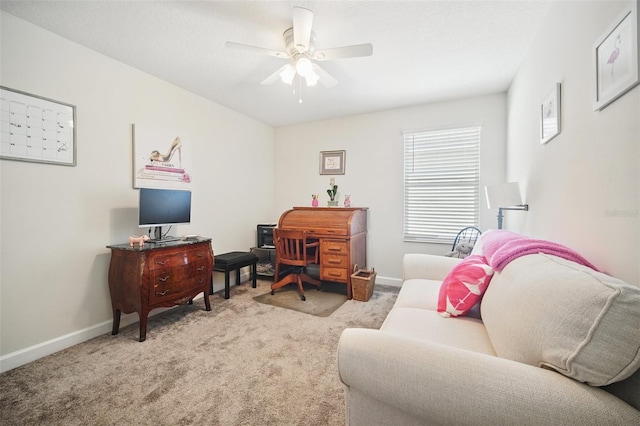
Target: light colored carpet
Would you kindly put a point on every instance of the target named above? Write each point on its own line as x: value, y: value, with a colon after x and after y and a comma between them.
x: 243, y: 363
x: 321, y: 303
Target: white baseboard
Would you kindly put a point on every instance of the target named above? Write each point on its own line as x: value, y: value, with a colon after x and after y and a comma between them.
x: 218, y: 284
x: 24, y: 356
x: 394, y: 282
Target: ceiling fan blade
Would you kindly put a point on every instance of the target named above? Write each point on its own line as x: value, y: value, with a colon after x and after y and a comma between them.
x: 325, y: 77
x: 274, y: 77
x: 255, y: 49
x: 354, y: 51
x: 302, y: 21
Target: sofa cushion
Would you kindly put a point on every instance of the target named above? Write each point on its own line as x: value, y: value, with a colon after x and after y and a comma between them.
x: 423, y: 294
x: 553, y: 313
x: 464, y: 286
x: 418, y: 293
x: 462, y: 333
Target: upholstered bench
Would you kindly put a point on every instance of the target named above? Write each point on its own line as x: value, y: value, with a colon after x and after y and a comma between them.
x: 234, y: 260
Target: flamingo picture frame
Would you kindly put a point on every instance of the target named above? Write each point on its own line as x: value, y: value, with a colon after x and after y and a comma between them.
x: 615, y: 58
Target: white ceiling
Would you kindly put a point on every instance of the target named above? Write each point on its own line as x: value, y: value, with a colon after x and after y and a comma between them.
x: 423, y: 51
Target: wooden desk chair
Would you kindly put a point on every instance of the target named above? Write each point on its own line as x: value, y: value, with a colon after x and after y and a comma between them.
x: 294, y: 249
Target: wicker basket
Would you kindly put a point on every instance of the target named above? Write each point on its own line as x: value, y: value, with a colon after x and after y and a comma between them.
x: 362, y: 282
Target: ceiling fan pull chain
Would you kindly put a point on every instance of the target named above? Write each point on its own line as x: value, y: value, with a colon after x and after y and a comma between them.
x: 299, y: 89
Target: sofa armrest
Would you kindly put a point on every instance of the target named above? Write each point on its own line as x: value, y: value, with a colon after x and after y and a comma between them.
x: 446, y: 385
x: 427, y: 266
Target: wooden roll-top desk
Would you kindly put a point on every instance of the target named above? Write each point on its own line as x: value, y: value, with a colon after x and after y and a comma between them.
x: 342, y: 233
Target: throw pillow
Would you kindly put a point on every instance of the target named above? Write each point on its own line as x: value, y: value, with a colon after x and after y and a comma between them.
x: 464, y: 286
x: 478, y: 248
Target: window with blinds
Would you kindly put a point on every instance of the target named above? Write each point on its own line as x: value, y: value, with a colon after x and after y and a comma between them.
x: 441, y: 183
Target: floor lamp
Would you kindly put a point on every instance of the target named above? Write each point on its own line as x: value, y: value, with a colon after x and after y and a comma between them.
x: 505, y: 196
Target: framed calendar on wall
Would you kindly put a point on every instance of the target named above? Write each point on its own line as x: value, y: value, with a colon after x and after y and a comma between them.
x: 36, y: 129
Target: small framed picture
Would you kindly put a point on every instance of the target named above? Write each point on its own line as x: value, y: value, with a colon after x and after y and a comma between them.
x: 332, y: 162
x: 550, y: 115
x: 615, y: 58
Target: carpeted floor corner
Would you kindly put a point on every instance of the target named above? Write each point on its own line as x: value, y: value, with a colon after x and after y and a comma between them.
x: 243, y: 363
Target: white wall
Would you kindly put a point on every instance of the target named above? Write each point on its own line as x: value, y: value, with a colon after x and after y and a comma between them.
x: 374, y: 167
x: 583, y: 187
x: 56, y: 221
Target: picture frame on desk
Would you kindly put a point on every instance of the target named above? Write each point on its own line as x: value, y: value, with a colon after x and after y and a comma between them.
x: 332, y: 162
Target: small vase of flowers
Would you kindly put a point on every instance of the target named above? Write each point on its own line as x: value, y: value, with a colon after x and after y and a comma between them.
x: 332, y: 191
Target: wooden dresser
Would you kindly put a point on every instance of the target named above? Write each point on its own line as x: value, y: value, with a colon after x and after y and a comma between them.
x: 158, y: 275
x: 342, y: 233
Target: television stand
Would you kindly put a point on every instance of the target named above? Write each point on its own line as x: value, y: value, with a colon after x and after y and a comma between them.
x: 153, y: 276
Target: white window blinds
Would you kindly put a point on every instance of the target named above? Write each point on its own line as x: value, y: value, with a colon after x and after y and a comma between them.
x: 441, y: 183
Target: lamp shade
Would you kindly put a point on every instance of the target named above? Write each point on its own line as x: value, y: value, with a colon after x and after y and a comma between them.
x: 503, y: 195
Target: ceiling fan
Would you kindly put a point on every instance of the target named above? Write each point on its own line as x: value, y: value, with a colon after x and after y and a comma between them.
x: 299, y: 41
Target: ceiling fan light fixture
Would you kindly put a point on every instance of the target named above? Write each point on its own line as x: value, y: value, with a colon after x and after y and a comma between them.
x: 300, y: 49
x: 287, y: 74
x: 311, y: 79
x: 304, y: 67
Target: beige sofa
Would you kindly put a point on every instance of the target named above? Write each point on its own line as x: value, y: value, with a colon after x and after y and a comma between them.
x: 548, y: 326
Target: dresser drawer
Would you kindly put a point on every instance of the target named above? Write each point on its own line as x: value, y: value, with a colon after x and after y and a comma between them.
x: 179, y: 274
x: 333, y: 247
x: 326, y: 231
x: 172, y: 292
x: 335, y: 261
x: 177, y: 257
x: 168, y: 283
x: 334, y: 274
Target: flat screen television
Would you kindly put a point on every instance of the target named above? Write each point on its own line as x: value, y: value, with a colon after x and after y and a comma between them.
x: 163, y: 207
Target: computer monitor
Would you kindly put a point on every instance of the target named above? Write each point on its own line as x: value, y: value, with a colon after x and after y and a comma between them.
x: 163, y: 207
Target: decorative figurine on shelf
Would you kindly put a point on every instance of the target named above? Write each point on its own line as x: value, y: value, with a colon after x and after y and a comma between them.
x: 332, y: 191
x: 347, y: 201
x: 139, y: 240
x: 314, y: 200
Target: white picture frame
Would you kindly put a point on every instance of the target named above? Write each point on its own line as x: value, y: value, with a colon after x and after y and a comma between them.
x: 161, y: 158
x: 616, y: 59
x: 37, y: 129
x: 550, y: 115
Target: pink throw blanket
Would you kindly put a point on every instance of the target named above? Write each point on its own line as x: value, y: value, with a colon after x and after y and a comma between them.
x: 501, y: 247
